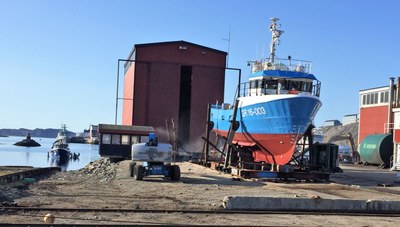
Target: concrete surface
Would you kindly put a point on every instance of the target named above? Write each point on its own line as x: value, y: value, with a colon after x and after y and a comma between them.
x: 308, y: 204
x: 354, y: 174
x: 375, y: 189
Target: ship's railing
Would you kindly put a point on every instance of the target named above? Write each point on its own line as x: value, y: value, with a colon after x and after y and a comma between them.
x: 223, y: 106
x: 259, y: 87
x: 280, y: 64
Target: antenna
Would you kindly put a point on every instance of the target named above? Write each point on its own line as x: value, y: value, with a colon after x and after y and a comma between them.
x: 275, y: 37
x: 262, y: 52
x: 229, y: 45
x: 257, y: 50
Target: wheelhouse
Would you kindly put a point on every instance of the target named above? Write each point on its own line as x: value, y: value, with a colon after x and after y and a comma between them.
x: 280, y: 78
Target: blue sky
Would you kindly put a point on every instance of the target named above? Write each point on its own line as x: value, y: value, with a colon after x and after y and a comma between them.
x: 58, y: 59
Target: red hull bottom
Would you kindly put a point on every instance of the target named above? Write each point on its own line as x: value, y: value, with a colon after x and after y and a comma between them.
x: 271, y: 148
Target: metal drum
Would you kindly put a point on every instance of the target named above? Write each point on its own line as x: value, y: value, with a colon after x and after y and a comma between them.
x: 377, y: 149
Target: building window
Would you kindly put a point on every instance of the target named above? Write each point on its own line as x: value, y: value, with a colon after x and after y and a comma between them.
x: 135, y: 139
x: 385, y: 97
x: 125, y: 140
x: 106, y: 139
x: 115, y: 139
x: 375, y: 98
x: 144, y: 139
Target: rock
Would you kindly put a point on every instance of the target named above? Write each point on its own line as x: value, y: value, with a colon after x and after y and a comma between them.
x: 312, y: 196
x: 28, y: 142
x: 49, y: 218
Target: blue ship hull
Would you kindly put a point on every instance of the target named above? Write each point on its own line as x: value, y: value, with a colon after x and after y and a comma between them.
x: 272, y: 124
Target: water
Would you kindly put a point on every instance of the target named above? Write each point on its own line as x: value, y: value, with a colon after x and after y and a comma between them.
x: 11, y: 155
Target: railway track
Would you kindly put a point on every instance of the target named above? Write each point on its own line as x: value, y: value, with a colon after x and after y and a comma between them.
x: 216, y: 211
x: 78, y: 216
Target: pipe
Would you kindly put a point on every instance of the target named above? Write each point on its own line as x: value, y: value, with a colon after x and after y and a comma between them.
x: 116, y: 99
x: 208, y: 129
x: 397, y: 92
x: 389, y: 121
x: 395, y: 159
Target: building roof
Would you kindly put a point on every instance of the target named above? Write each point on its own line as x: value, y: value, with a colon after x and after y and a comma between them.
x: 350, y: 115
x: 180, y: 42
x: 132, y: 57
x: 332, y: 121
x: 368, y: 89
x: 125, y: 129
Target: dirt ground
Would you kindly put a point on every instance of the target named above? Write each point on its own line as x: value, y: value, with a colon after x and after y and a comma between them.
x: 105, y: 185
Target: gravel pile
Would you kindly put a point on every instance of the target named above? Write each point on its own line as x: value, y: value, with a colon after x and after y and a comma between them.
x: 332, y: 131
x: 8, y: 194
x: 101, y: 168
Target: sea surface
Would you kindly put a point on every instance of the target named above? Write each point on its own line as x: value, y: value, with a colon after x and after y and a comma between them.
x: 11, y: 155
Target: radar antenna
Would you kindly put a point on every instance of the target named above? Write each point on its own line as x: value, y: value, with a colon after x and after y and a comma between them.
x: 275, y: 37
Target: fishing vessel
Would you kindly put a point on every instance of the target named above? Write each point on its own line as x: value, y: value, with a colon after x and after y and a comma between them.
x: 274, y: 108
x: 60, y: 151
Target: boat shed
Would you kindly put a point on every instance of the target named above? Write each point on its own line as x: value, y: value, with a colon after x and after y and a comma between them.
x: 172, y: 81
x: 116, y: 140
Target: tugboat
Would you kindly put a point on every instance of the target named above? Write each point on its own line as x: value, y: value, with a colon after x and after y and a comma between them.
x: 60, y: 151
x: 274, y: 109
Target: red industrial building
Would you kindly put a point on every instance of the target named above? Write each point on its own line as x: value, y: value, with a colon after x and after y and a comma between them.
x: 374, y: 112
x: 380, y: 114
x: 172, y: 80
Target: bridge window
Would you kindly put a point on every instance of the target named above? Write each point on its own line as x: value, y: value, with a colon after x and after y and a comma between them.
x: 253, y: 84
x: 306, y: 86
x: 295, y: 85
x: 271, y: 84
x: 284, y: 84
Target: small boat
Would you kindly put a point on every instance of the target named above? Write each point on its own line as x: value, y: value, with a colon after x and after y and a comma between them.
x: 60, y: 151
x: 274, y: 109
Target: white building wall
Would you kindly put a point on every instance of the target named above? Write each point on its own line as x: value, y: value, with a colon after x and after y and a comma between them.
x: 349, y: 119
x: 396, y: 147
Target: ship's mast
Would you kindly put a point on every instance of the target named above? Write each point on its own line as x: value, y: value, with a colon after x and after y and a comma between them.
x: 275, y: 37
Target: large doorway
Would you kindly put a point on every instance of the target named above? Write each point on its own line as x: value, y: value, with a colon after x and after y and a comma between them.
x: 185, y: 96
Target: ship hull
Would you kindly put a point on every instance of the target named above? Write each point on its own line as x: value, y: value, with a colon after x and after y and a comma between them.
x: 60, y: 155
x: 269, y: 125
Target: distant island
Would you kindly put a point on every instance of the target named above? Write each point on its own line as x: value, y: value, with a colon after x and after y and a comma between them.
x: 38, y: 132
